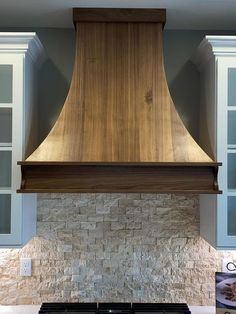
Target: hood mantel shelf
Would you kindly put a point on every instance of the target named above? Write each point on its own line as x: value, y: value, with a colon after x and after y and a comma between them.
x: 118, y: 130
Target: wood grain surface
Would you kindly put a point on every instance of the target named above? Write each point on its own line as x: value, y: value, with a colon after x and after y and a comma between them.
x: 119, y: 110
x: 119, y: 107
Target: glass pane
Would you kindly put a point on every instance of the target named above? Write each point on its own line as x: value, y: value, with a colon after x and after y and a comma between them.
x: 5, y: 83
x: 231, y: 215
x: 231, y: 171
x: 5, y: 126
x: 5, y: 213
x: 5, y: 169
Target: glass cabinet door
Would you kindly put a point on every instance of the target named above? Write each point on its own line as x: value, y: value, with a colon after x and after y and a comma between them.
x: 18, y: 84
x: 230, y: 193
x: 226, y: 151
x: 6, y: 110
x: 11, y: 93
x: 216, y: 61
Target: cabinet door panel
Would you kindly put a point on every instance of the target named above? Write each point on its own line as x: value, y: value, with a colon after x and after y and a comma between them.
x: 232, y: 215
x: 5, y: 126
x: 5, y: 169
x: 6, y: 83
x: 231, y: 86
x: 5, y: 213
x: 231, y: 127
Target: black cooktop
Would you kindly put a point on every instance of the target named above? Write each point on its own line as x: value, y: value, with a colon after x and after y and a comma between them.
x: 114, y: 308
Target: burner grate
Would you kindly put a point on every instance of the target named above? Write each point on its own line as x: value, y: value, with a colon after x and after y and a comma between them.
x: 114, y: 308
x: 162, y: 308
x: 68, y: 308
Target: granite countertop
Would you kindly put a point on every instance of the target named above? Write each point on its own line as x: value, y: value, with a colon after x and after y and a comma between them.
x: 33, y: 309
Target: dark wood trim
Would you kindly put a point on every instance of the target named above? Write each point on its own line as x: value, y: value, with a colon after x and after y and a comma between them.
x: 119, y: 15
x: 100, y: 178
x: 114, y: 164
x: 198, y: 192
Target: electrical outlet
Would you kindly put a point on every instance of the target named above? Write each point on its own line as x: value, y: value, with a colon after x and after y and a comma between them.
x: 228, y: 266
x: 25, y: 267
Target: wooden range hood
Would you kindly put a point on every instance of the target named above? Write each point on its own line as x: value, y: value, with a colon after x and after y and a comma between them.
x: 118, y: 130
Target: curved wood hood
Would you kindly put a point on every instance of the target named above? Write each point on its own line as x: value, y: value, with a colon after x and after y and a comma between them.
x: 118, y: 129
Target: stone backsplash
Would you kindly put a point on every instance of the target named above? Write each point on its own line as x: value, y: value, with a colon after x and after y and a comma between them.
x: 113, y: 247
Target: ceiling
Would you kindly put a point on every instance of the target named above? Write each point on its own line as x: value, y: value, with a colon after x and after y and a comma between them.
x: 181, y: 14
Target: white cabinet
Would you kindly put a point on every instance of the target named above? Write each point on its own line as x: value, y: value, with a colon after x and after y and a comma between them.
x: 216, y: 60
x: 19, y: 55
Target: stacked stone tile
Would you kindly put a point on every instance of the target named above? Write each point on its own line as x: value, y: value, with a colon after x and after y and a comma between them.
x: 113, y: 247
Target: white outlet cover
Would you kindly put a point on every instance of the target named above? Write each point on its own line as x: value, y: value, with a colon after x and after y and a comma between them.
x: 25, y: 266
